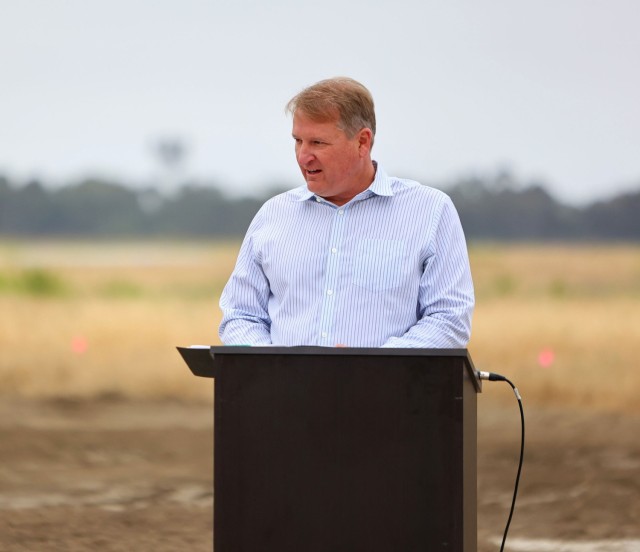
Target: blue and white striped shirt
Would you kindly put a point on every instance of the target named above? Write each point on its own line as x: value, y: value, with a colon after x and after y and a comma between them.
x: 387, y: 269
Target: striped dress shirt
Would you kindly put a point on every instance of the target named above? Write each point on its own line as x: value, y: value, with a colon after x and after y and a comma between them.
x: 388, y: 269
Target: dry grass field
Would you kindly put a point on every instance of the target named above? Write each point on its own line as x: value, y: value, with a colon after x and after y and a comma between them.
x: 84, y: 319
x: 562, y: 321
x: 106, y: 438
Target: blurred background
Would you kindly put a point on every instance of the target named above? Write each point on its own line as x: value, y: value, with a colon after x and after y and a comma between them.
x: 138, y: 139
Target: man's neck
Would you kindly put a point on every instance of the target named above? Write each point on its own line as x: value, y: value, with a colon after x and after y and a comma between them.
x: 368, y: 176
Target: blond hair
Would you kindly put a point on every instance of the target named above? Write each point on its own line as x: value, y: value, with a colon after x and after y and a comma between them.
x: 340, y: 97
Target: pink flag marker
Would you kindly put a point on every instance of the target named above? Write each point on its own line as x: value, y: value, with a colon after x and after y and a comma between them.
x: 79, y: 345
x: 546, y: 358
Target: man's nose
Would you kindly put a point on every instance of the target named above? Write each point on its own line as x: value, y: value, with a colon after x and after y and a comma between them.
x: 304, y: 154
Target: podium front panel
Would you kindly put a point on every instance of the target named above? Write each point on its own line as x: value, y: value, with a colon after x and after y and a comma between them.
x: 344, y: 452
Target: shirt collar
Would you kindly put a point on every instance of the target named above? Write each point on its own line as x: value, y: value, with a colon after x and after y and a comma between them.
x: 380, y: 186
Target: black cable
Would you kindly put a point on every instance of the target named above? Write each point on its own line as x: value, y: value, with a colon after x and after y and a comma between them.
x: 497, y: 377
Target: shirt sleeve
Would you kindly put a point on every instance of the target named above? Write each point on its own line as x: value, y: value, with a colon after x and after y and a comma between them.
x: 245, y: 299
x: 446, y: 297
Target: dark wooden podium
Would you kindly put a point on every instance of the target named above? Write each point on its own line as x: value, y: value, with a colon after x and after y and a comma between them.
x: 342, y: 450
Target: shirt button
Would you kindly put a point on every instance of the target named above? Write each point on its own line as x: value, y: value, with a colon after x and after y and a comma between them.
x: 340, y: 212
x: 318, y: 199
x: 324, y: 334
x: 334, y: 250
x: 329, y: 292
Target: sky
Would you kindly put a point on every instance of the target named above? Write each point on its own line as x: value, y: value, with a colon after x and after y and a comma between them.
x: 547, y: 89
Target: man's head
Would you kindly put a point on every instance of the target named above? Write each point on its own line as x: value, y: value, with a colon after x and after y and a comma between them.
x: 333, y: 128
x: 340, y: 98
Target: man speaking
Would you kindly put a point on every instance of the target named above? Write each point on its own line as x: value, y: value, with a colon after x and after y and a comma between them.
x: 355, y: 257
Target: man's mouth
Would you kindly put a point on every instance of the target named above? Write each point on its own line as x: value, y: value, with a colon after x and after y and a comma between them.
x: 315, y: 171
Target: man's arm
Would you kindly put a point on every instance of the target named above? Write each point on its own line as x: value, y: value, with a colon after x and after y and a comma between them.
x: 244, y: 300
x: 446, y: 298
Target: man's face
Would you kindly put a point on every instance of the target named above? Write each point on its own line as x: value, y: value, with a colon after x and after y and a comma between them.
x: 334, y: 166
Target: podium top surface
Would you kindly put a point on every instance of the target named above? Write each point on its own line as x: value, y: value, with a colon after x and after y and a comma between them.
x: 201, y: 359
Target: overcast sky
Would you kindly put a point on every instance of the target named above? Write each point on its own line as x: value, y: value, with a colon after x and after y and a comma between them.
x: 547, y: 88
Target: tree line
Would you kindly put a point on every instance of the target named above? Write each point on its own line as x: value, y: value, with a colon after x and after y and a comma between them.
x: 496, y: 208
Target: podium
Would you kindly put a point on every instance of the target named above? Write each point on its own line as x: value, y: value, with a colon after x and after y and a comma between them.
x: 342, y: 450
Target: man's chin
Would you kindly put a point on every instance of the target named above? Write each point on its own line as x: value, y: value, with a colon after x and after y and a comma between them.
x: 314, y: 187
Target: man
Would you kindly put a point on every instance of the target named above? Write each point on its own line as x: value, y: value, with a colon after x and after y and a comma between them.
x: 355, y: 258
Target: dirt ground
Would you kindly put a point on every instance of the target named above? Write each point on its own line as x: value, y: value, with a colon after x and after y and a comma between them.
x: 121, y: 475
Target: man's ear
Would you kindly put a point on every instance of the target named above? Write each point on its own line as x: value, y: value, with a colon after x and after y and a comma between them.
x: 365, y: 139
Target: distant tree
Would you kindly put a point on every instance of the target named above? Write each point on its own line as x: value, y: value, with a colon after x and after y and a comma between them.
x: 496, y: 208
x: 25, y: 210
x: 617, y: 218
x: 514, y: 212
x: 204, y: 211
x: 98, y: 208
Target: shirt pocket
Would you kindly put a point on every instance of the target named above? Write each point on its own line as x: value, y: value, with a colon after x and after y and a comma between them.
x: 380, y: 264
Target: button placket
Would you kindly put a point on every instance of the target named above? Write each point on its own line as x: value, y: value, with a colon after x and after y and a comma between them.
x: 333, y: 267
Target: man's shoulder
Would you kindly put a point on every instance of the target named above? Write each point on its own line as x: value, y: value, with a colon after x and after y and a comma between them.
x: 414, y: 190
x: 294, y: 195
x: 274, y: 207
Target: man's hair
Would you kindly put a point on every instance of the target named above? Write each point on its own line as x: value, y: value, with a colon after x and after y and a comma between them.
x: 340, y: 97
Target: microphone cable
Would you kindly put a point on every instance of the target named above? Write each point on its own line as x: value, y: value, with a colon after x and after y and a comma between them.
x: 490, y: 376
